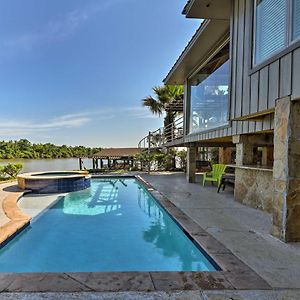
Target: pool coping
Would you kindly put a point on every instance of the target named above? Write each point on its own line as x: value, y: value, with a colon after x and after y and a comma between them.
x: 35, y: 175
x: 234, y: 274
x: 17, y: 219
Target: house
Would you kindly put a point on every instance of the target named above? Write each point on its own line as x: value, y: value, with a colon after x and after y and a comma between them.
x: 241, y: 73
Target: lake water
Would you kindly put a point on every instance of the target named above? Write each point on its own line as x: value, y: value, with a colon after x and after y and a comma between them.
x: 36, y: 165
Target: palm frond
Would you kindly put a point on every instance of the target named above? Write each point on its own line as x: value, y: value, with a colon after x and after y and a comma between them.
x: 154, y: 106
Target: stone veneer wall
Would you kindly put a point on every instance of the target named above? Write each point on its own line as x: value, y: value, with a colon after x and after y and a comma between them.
x: 286, y: 213
x: 254, y: 188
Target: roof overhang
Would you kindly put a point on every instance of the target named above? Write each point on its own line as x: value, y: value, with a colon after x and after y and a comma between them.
x: 208, y: 9
x: 209, y: 35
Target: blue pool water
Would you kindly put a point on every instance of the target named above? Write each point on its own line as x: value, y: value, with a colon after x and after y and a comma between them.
x: 113, y: 226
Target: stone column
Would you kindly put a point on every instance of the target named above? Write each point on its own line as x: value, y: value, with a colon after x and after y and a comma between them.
x: 225, y: 155
x: 244, y: 150
x: 286, y: 171
x: 191, y: 164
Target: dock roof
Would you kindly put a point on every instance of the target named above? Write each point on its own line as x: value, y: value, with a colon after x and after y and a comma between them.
x: 118, y: 152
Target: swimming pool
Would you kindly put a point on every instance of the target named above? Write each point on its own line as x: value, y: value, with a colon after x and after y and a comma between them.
x: 113, y: 226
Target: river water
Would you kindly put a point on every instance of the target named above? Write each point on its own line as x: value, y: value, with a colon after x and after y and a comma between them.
x: 36, y: 165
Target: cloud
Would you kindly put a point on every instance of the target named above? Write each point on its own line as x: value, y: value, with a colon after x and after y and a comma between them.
x: 56, y: 30
x: 16, y: 128
x: 139, y: 112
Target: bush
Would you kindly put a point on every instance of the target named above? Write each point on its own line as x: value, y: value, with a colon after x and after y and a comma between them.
x: 11, y: 170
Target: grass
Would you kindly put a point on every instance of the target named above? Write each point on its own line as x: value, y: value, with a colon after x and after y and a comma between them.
x: 6, y: 180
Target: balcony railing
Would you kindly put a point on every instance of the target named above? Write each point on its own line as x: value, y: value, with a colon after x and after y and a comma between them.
x: 163, y: 136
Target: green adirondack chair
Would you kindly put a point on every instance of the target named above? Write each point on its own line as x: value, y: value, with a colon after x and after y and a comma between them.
x: 215, y: 175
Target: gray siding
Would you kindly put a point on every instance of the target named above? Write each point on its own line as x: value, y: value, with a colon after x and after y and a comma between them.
x: 253, y: 91
x: 257, y: 91
x: 265, y: 124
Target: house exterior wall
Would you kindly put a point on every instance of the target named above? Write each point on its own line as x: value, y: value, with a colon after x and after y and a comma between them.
x: 256, y: 89
x: 253, y: 90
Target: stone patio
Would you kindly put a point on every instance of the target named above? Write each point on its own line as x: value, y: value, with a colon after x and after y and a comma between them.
x: 243, y: 230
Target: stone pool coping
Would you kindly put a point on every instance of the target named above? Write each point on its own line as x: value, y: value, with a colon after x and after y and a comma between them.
x: 35, y: 175
x: 234, y: 274
x: 17, y: 219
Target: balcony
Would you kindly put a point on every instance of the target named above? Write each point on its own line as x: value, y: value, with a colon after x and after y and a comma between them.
x: 168, y: 136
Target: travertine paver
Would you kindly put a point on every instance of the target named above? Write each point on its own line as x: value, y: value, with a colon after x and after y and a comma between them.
x: 178, y: 295
x: 3, y: 194
x: 12, y: 219
x: 252, y: 295
x: 243, y: 230
x: 183, y: 295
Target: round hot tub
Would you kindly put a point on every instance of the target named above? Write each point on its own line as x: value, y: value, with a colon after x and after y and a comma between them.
x: 54, y: 182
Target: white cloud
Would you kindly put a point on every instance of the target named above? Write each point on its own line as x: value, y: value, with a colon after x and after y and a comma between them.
x: 16, y: 128
x: 140, y: 112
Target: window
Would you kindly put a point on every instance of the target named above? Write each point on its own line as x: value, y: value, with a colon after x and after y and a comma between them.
x: 270, y: 27
x: 273, y: 29
x: 296, y: 19
x: 209, y: 96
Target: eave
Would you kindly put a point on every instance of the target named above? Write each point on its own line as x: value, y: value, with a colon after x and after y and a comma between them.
x: 208, y: 9
x: 208, y: 35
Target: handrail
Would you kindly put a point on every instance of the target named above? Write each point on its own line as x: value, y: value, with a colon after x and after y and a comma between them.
x: 163, y: 135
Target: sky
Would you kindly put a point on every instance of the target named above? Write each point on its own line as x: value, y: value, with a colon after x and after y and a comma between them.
x: 74, y: 71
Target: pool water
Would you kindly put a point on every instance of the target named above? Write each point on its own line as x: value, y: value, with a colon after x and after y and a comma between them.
x: 113, y: 226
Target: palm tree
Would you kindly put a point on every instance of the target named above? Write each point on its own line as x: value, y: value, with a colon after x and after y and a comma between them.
x: 164, y: 95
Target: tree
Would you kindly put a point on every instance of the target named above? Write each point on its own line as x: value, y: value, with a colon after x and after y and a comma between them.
x: 12, y: 170
x: 164, y: 95
x: 182, y: 159
x: 24, y: 149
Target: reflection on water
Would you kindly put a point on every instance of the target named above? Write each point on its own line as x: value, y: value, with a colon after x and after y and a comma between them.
x: 113, y: 226
x: 164, y: 235
x: 148, y: 206
x: 100, y: 199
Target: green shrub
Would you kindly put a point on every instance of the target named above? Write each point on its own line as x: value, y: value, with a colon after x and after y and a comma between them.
x: 11, y: 170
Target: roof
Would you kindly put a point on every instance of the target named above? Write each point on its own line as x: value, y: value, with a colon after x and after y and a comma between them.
x: 186, y: 7
x: 210, y: 33
x: 208, y: 9
x: 118, y: 152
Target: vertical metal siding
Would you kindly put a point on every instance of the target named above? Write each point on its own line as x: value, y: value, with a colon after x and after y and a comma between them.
x: 296, y: 74
x: 285, y: 83
x: 273, y: 83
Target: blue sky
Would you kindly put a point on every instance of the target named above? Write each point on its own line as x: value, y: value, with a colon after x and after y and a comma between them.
x: 74, y: 71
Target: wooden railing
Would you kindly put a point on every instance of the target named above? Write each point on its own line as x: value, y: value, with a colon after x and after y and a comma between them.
x: 162, y: 136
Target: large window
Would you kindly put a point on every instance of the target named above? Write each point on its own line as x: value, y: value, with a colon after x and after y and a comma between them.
x: 209, y: 97
x: 277, y: 25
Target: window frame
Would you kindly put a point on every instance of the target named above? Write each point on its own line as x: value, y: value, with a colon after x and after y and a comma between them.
x: 290, y: 43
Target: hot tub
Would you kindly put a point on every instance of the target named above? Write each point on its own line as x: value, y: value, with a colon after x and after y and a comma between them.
x: 54, y: 182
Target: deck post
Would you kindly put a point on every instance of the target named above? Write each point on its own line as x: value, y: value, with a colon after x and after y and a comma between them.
x: 286, y: 170
x: 225, y: 155
x: 191, y: 164
x: 80, y: 163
